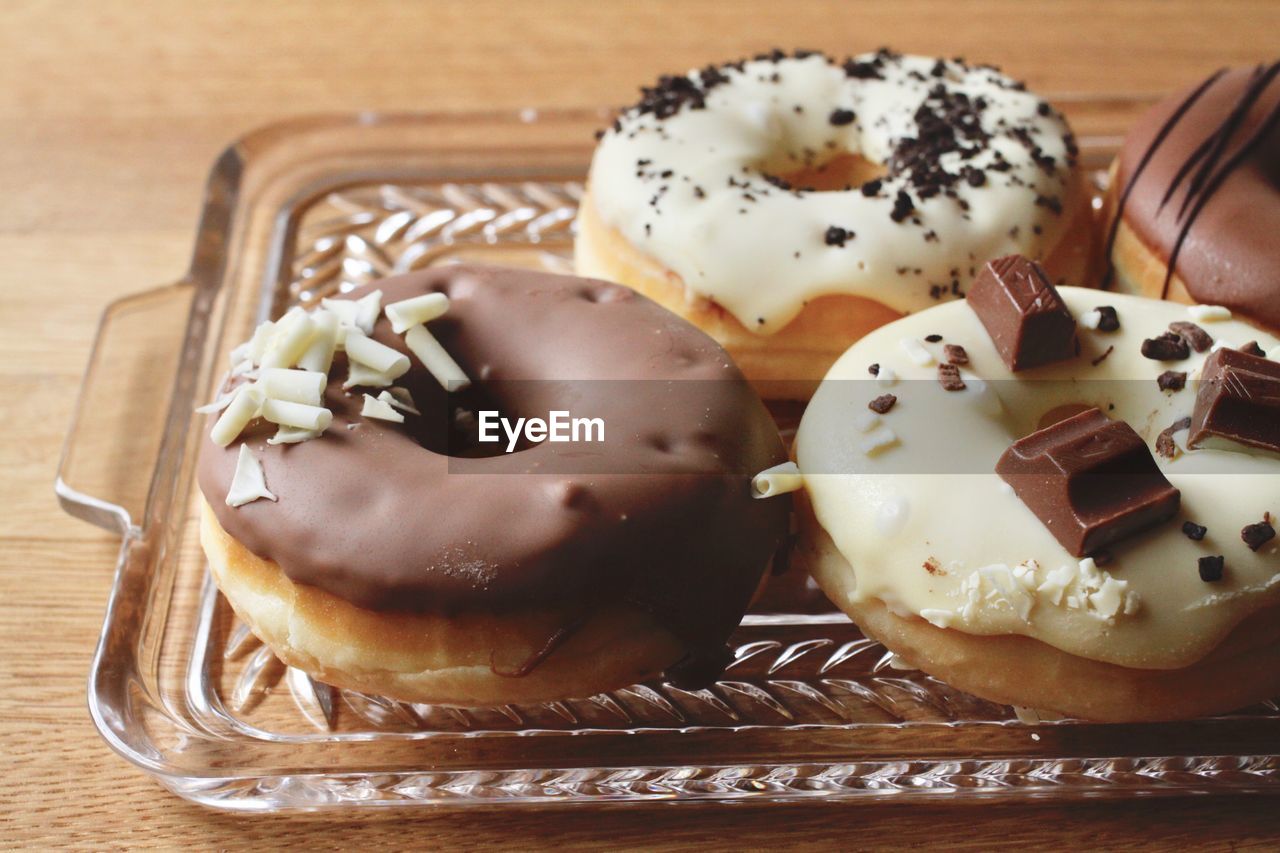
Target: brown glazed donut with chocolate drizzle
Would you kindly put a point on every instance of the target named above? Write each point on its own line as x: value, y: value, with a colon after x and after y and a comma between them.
x: 400, y: 560
x: 1194, y: 205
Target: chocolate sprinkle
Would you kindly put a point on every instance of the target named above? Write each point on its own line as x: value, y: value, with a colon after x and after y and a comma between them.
x: 1106, y: 352
x: 949, y: 377
x: 842, y: 117
x: 882, y: 404
x: 1108, y: 320
x: 1211, y: 568
x: 1164, y: 441
x: 1257, y: 535
x: 1168, y: 346
x: 955, y: 354
x: 1197, y: 338
x: 1172, y: 380
x: 1193, y: 530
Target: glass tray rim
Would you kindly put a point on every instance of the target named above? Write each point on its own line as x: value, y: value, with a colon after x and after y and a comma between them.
x: 977, y: 778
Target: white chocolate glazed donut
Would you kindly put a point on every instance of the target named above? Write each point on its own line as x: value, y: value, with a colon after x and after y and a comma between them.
x: 923, y: 531
x: 698, y: 197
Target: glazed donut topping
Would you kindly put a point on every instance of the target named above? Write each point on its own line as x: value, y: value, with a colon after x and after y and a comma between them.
x: 766, y: 183
x: 391, y: 504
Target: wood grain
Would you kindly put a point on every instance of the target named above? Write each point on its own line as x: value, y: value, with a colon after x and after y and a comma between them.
x: 110, y: 114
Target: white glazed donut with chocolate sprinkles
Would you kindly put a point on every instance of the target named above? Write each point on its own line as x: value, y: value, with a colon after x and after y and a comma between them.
x: 910, y: 530
x: 791, y: 203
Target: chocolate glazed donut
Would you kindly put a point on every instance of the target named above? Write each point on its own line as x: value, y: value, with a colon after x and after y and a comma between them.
x: 408, y: 518
x: 1198, y: 180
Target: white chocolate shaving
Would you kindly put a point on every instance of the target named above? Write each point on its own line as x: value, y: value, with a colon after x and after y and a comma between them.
x: 412, y: 312
x: 400, y: 398
x: 865, y: 420
x: 243, y: 408
x: 292, y: 435
x: 878, y: 439
x: 368, y: 307
x: 217, y: 405
x: 261, y: 337
x: 1090, y: 319
x: 778, y: 480
x: 319, y: 354
x: 1209, y: 313
x: 358, y: 374
x: 344, y: 309
x: 916, y: 351
x: 380, y: 409
x: 376, y: 356
x: 295, y: 386
x: 248, y: 484
x: 242, y: 352
x: 434, y: 357
x: 298, y: 415
x: 292, y: 336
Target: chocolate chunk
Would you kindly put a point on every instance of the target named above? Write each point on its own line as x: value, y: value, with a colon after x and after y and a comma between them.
x: 1197, y: 338
x: 1167, y: 346
x: 1257, y: 535
x: 837, y: 236
x: 1193, y: 530
x: 1090, y: 480
x: 1252, y: 348
x: 1026, y: 318
x: 1172, y: 380
x: 882, y: 404
x: 955, y: 354
x: 1238, y: 403
x: 1108, y: 319
x: 949, y: 376
x: 1211, y: 568
x: 1165, y: 445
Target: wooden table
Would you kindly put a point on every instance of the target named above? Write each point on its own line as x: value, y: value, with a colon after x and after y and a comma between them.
x: 110, y: 114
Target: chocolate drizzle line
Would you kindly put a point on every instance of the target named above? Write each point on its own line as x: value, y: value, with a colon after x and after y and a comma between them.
x: 1165, y: 130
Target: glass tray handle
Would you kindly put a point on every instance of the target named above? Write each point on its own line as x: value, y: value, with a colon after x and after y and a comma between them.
x: 110, y: 450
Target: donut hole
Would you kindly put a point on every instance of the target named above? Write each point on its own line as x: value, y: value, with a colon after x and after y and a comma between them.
x: 838, y: 172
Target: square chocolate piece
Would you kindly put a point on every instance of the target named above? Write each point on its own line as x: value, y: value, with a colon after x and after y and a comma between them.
x: 1026, y: 318
x: 1237, y: 404
x: 1090, y: 480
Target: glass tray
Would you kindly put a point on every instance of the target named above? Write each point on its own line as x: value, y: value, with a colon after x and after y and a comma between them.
x: 808, y: 710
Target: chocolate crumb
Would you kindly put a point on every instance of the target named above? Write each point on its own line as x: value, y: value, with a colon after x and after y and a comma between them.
x: 1095, y: 362
x: 955, y: 354
x: 882, y: 404
x: 842, y: 117
x: 870, y: 188
x: 933, y: 339
x: 902, y: 206
x: 1193, y: 530
x: 837, y: 236
x: 1108, y: 320
x: 1172, y: 380
x: 1197, y: 338
x: 1211, y: 568
x: 1168, y: 346
x: 933, y: 567
x: 1252, y: 348
x: 949, y: 377
x: 1164, y: 441
x: 1257, y: 535
x: 874, y: 370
